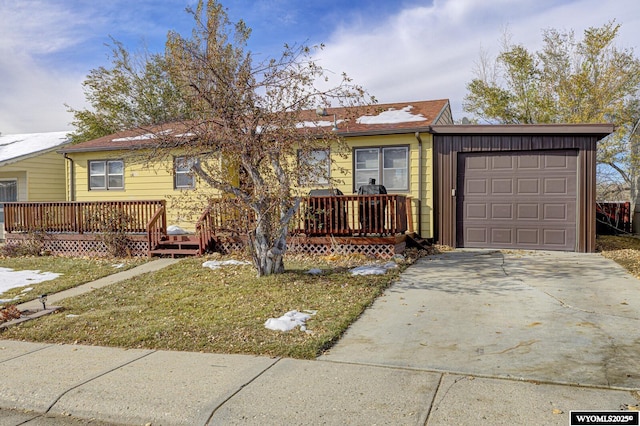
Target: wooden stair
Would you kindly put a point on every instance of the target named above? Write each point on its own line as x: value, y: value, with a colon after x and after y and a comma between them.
x: 177, y: 246
x: 415, y: 240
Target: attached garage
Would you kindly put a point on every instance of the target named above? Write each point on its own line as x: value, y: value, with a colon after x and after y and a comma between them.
x: 516, y: 187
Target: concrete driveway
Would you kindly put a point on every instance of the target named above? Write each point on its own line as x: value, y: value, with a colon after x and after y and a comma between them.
x: 550, y: 317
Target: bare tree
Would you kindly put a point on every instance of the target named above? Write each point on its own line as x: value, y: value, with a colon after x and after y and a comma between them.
x: 249, y: 122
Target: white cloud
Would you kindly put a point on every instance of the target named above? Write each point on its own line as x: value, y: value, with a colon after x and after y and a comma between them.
x: 48, y: 47
x: 425, y: 50
x: 429, y: 52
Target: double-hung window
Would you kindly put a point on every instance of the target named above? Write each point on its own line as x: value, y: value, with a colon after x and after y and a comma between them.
x: 183, y: 176
x: 389, y: 166
x: 315, y: 167
x: 106, y: 174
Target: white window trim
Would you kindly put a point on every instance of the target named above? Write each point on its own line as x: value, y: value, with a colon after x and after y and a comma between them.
x: 380, y: 169
x: 177, y: 172
x: 106, y: 175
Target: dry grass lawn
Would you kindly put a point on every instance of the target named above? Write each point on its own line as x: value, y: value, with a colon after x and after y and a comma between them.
x: 191, y: 308
x: 623, y: 250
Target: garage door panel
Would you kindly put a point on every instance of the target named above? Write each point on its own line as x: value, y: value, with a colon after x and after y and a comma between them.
x: 476, y: 187
x: 476, y: 235
x: 528, y: 186
x: 555, y: 212
x: 528, y: 211
x: 559, y: 161
x: 502, y: 162
x: 528, y: 162
x: 478, y: 163
x: 502, y: 236
x: 555, y: 237
x: 525, y: 200
x: 528, y: 236
x: 476, y: 211
x: 557, y: 186
x: 502, y: 186
x: 501, y: 211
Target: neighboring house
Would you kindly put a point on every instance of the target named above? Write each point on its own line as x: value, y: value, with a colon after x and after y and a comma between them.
x: 31, y: 169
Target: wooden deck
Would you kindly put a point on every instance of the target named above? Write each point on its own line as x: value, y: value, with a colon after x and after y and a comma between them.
x: 372, y: 224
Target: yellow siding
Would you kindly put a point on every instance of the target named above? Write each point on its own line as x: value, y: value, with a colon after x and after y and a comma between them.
x: 342, y: 170
x: 143, y: 183
x: 40, y: 178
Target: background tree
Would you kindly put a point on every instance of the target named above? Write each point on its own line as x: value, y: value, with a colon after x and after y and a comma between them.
x: 567, y: 81
x: 136, y: 90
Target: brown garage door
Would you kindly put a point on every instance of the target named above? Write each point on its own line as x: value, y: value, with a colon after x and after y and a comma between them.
x: 517, y: 199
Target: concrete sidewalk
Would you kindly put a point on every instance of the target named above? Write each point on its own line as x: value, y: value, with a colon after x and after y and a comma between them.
x: 72, y: 385
x: 53, y: 299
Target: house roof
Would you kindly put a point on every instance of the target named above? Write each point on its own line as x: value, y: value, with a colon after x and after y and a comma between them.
x: 20, y: 146
x: 403, y: 117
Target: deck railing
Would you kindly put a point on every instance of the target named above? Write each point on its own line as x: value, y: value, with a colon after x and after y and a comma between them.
x: 340, y: 215
x: 80, y: 216
x: 384, y: 214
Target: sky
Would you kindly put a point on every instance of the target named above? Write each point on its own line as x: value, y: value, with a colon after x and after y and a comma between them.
x: 399, y: 50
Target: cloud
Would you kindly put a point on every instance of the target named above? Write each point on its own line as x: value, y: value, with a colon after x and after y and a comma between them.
x: 400, y: 51
x: 429, y: 52
x: 48, y: 47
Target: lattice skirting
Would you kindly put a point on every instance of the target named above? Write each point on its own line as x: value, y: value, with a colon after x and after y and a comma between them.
x: 324, y: 247
x: 82, y: 245
x: 380, y: 251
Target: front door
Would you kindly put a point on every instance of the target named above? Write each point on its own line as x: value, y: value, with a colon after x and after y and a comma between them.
x: 8, y: 193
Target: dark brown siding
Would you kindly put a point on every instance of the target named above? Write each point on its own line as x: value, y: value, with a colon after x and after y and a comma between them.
x: 447, y: 147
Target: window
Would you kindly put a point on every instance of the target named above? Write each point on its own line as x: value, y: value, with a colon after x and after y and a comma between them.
x: 315, y: 166
x: 106, y: 174
x: 183, y: 177
x: 389, y: 166
x: 8, y: 193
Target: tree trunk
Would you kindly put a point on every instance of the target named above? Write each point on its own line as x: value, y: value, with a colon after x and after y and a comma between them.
x: 268, y: 256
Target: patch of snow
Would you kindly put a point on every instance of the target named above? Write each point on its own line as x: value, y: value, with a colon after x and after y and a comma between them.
x: 9, y: 300
x: 11, y: 279
x: 118, y: 265
x: 175, y: 230
x: 14, y: 146
x: 373, y: 269
x: 143, y: 137
x: 289, y: 321
x: 315, y: 271
x: 392, y: 116
x: 25, y: 290
x: 215, y: 264
x: 71, y: 316
x: 321, y: 123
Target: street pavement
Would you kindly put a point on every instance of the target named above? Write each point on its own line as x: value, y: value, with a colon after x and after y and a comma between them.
x: 463, y: 338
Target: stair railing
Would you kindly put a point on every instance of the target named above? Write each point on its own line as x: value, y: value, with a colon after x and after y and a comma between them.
x: 156, y: 229
x: 205, y: 230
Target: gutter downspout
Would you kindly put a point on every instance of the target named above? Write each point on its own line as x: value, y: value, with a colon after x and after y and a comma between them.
x: 72, y: 181
x: 419, y: 206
